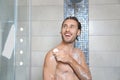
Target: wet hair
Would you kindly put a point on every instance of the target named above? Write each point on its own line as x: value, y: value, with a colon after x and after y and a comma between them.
x: 75, y: 19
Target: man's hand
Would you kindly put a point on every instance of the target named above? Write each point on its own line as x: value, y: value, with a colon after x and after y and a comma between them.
x: 61, y: 55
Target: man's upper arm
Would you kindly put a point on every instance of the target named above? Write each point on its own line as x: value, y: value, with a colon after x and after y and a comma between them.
x: 84, y: 64
x: 49, y: 67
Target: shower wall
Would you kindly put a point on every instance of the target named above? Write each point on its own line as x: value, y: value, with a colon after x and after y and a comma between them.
x: 104, y: 39
x: 47, y: 16
x: 79, y: 8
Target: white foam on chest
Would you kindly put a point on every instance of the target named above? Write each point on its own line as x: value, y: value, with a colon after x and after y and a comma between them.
x: 77, y: 58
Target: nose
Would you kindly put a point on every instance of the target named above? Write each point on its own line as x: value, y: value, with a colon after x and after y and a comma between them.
x: 67, y: 29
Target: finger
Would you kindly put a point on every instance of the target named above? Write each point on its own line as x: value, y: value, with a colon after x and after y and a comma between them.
x: 54, y: 54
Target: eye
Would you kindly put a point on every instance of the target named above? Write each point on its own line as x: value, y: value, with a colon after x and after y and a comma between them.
x: 72, y: 26
x: 64, y: 26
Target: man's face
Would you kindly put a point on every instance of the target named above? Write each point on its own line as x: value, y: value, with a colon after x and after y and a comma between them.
x: 69, y: 31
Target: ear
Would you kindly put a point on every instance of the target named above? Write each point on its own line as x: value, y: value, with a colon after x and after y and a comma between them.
x: 60, y: 32
x: 78, y: 33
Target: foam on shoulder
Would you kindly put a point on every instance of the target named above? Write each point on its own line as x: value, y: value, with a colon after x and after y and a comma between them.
x: 55, y: 50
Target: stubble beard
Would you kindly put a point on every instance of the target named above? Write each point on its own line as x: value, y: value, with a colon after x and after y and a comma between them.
x: 69, y: 41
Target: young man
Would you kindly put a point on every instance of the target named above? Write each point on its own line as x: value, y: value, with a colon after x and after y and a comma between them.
x: 65, y: 62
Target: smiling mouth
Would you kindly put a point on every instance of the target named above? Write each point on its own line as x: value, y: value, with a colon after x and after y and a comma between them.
x: 68, y: 34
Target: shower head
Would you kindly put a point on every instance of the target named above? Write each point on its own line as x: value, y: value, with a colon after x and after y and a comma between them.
x: 75, y: 1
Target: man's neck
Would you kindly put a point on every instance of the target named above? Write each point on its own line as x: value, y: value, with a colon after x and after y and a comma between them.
x: 68, y: 46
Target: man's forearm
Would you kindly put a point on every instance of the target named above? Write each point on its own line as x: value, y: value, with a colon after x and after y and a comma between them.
x: 80, y: 71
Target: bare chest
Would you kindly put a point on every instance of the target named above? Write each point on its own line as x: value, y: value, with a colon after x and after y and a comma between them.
x: 65, y: 72
x: 64, y: 68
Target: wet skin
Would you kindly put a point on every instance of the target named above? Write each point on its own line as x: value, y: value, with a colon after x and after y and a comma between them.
x: 62, y: 70
x: 65, y: 71
x: 65, y: 62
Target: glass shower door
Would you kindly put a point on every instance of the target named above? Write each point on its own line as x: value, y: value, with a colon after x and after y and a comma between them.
x: 6, y: 52
x: 15, y: 40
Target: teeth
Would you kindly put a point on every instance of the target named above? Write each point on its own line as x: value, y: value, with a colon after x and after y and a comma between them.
x: 67, y: 34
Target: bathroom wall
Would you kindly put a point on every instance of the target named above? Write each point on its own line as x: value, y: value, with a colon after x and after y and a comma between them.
x: 104, y: 36
x: 104, y: 39
x: 47, y: 16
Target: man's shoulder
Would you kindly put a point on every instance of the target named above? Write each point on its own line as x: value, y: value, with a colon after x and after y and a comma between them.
x: 50, y: 52
x: 78, y: 50
x: 49, y: 56
x: 49, y: 59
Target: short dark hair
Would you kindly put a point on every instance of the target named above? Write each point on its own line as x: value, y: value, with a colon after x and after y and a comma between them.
x: 73, y: 18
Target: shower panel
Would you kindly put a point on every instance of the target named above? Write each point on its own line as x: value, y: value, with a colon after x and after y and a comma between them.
x: 79, y: 8
x: 15, y: 54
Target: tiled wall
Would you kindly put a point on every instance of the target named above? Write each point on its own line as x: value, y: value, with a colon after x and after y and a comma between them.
x: 104, y: 36
x: 47, y: 16
x: 104, y: 39
x: 80, y: 10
